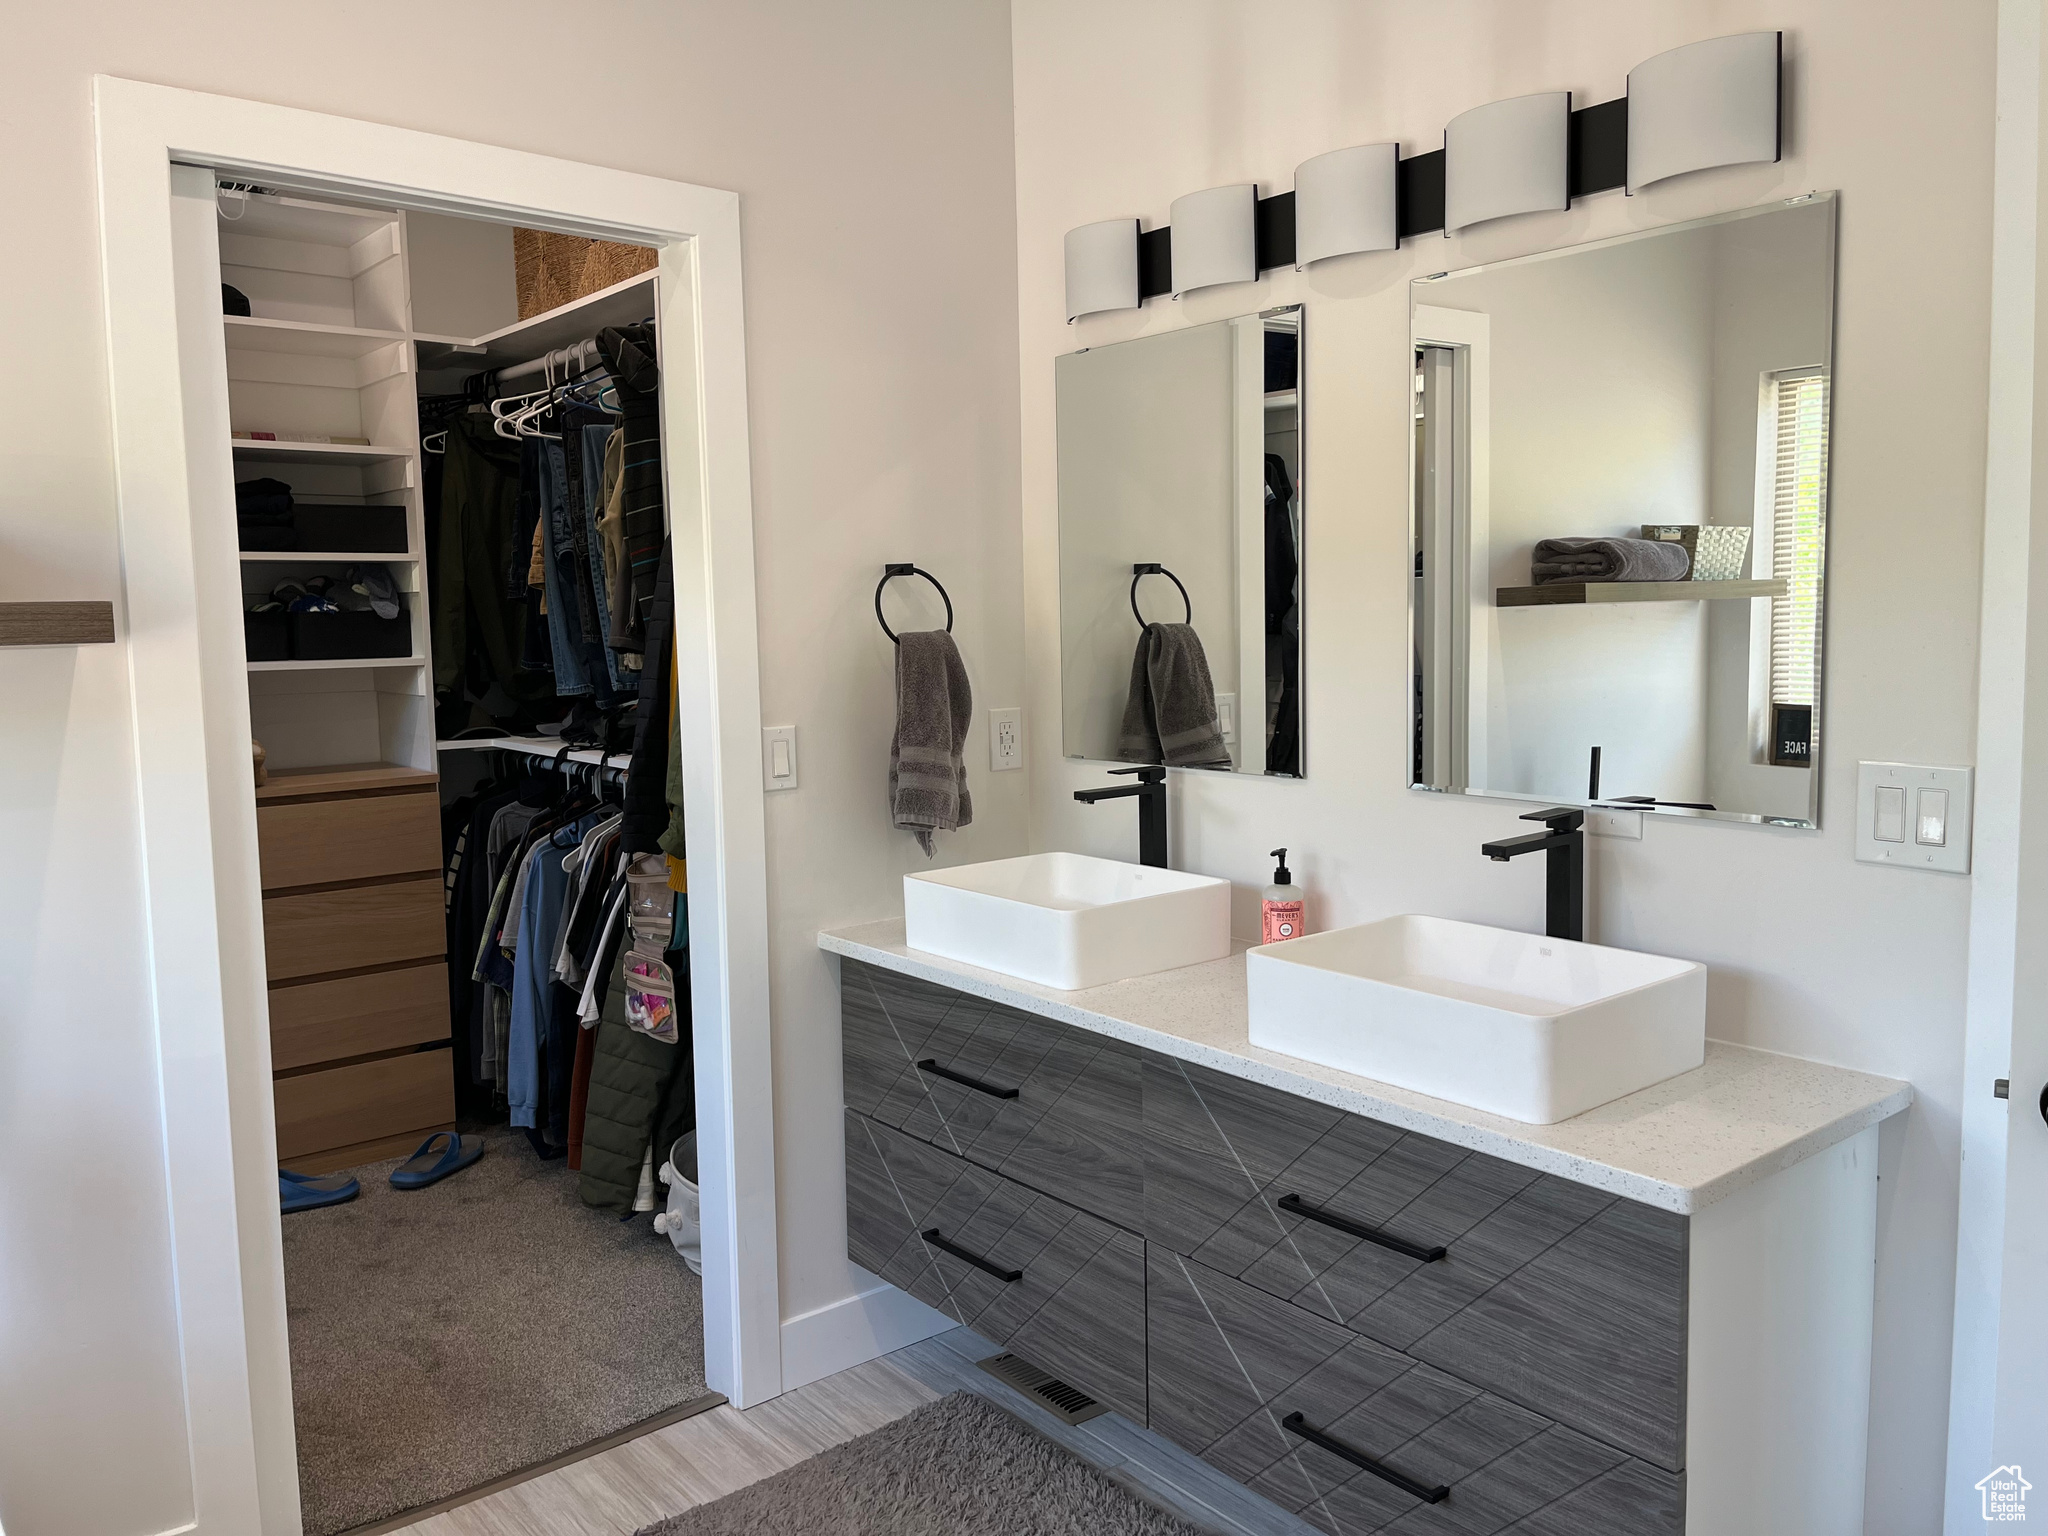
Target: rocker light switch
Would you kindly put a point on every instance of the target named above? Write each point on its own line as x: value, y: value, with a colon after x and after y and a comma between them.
x: 1914, y: 817
x: 778, y: 757
x: 1891, y: 814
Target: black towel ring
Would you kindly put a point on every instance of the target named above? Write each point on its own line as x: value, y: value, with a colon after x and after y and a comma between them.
x: 1154, y: 568
x: 889, y: 574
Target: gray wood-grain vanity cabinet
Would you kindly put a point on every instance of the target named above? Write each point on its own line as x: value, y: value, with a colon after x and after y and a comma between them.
x: 1375, y: 1329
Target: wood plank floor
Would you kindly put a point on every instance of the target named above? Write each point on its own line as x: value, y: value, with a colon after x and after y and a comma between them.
x: 702, y: 1458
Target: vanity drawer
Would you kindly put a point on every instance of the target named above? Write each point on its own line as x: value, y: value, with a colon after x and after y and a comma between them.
x: 1231, y: 1367
x: 1560, y: 1297
x: 1047, y: 1104
x: 1076, y: 1303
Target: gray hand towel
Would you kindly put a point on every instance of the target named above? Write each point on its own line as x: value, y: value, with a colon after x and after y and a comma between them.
x: 927, y: 778
x: 1170, y: 716
x: 1608, y: 560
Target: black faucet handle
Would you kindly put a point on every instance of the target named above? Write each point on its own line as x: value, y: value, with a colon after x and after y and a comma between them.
x: 1559, y: 818
x: 1148, y: 773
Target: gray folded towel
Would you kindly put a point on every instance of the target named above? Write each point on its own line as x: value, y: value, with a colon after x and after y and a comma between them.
x: 1609, y: 560
x: 927, y: 778
x: 1170, y: 716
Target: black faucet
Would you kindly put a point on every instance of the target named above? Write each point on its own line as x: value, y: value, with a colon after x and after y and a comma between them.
x: 1151, y: 792
x: 1564, y: 845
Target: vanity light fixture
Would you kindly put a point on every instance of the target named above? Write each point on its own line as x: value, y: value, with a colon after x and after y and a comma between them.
x: 1704, y: 105
x: 1344, y: 202
x: 1102, y: 267
x: 1215, y: 238
x: 1507, y: 157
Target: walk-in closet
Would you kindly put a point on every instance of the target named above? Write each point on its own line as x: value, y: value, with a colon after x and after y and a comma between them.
x: 452, y: 541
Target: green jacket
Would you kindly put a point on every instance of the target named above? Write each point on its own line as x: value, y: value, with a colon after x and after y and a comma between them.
x: 642, y: 1093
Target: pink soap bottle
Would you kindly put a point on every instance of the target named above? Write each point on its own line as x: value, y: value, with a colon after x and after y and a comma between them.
x: 1280, y: 910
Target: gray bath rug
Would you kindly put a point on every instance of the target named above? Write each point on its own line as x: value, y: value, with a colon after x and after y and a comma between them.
x: 958, y: 1467
x: 444, y: 1337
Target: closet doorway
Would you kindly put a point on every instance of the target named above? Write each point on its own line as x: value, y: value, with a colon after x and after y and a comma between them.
x: 481, y: 895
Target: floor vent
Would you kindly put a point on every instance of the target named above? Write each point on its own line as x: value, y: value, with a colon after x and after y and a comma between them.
x: 1070, y: 1405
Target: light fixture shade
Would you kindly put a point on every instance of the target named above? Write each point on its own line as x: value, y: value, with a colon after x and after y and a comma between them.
x: 1703, y: 105
x: 1215, y: 238
x: 1102, y: 267
x: 1344, y: 202
x: 1507, y: 157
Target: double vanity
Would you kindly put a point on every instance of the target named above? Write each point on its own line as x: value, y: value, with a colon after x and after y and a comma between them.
x: 1416, y: 1226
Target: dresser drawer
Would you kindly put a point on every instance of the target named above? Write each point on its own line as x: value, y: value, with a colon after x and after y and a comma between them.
x: 1288, y: 1404
x: 320, y: 931
x: 1560, y: 1297
x: 357, y: 1015
x: 1049, y: 1105
x: 341, y: 1106
x: 1063, y: 1289
x: 317, y: 842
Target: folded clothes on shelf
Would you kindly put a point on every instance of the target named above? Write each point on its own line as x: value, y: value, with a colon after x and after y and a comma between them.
x: 1608, y: 560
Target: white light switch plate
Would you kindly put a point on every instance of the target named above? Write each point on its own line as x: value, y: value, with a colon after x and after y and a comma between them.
x: 1901, y: 820
x: 1226, y: 715
x: 778, y: 757
x: 1005, y: 740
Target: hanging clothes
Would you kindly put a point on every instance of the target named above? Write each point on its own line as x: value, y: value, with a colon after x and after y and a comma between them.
x: 629, y: 355
x: 478, y: 629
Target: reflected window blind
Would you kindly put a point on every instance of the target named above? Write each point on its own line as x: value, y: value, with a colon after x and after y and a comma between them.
x: 1798, y: 519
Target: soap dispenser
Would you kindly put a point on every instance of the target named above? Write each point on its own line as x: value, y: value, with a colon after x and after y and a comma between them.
x: 1280, y: 911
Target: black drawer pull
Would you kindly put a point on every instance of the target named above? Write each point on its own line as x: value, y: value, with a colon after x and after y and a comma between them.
x: 928, y: 1065
x: 1007, y: 1276
x: 1295, y: 1424
x: 1294, y: 1205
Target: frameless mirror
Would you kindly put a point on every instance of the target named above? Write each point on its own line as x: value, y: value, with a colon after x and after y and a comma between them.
x: 1180, y: 511
x: 1620, y: 459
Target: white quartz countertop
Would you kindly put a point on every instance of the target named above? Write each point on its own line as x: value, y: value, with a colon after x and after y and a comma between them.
x: 1680, y: 1145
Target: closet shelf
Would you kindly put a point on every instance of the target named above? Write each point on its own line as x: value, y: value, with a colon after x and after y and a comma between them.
x: 337, y: 664
x: 323, y: 556
x: 256, y: 450
x: 1283, y: 400
x: 1568, y: 593
x: 621, y: 304
x: 545, y: 746
x: 79, y: 623
x: 305, y: 337
x: 342, y: 778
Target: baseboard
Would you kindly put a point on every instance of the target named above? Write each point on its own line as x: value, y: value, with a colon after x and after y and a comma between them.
x: 876, y: 1320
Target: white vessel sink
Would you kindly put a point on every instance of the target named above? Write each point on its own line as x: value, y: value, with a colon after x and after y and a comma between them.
x: 1066, y: 920
x: 1534, y: 1029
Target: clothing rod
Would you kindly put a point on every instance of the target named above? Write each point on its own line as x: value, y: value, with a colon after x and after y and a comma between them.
x: 568, y: 361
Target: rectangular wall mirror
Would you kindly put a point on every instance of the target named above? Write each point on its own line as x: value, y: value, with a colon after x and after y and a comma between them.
x: 1182, y: 451
x: 1668, y: 390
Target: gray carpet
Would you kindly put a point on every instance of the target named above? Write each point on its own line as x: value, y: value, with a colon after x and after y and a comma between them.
x: 958, y: 1467
x: 446, y: 1336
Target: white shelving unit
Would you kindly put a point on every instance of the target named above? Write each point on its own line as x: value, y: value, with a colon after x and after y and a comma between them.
x: 328, y: 351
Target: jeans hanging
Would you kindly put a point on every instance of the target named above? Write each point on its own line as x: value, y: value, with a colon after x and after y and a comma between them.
x: 580, y: 664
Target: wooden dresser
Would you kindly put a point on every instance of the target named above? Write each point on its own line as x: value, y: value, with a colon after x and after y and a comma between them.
x: 355, y: 946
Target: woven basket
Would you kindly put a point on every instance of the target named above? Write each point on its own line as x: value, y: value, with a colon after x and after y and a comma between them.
x: 1717, y: 549
x: 551, y: 270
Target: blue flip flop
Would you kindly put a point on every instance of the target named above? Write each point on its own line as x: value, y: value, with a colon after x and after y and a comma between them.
x: 308, y: 1192
x: 439, y: 1155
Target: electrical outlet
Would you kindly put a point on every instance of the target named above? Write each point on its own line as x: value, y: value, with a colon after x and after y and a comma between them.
x: 1614, y: 823
x: 1005, y: 739
x: 778, y: 757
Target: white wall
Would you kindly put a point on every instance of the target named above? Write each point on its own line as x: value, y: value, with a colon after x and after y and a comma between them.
x: 463, y: 279
x: 1120, y: 109
x: 883, y: 403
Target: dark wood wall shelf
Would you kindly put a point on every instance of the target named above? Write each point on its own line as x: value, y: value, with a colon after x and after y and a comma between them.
x: 1563, y: 593
x: 84, y: 623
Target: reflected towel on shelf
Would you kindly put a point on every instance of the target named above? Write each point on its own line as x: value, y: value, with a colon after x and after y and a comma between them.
x: 1170, y: 715
x: 927, y: 777
x: 1608, y: 560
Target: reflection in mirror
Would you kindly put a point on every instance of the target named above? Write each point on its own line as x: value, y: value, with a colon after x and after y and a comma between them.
x: 1619, y: 463
x: 1180, y: 547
